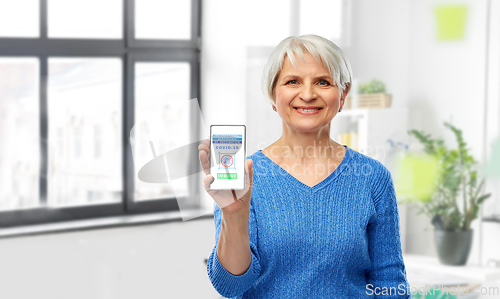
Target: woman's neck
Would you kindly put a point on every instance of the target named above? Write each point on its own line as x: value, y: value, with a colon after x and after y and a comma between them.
x: 304, y: 146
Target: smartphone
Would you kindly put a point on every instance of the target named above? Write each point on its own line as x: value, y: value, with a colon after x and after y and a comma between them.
x: 227, y: 157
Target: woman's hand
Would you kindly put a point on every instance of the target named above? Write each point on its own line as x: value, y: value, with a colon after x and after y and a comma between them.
x: 230, y: 201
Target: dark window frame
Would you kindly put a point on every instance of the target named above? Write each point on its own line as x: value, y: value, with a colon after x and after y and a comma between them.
x: 129, y: 50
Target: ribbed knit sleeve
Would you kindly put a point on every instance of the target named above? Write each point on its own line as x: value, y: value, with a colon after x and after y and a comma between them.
x: 225, y: 283
x: 387, y: 275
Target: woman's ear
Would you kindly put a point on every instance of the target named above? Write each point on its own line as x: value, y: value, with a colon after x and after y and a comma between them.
x: 345, y: 92
x: 347, y: 89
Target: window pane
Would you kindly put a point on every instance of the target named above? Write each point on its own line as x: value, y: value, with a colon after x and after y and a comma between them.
x: 19, y: 18
x: 161, y: 100
x: 84, y: 110
x: 163, y: 19
x: 19, y: 133
x: 85, y: 19
x: 321, y: 17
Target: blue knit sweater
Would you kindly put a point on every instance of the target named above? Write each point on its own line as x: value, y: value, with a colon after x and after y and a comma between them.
x: 338, y: 239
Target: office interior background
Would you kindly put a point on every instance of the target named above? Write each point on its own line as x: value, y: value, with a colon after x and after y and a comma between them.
x: 77, y: 76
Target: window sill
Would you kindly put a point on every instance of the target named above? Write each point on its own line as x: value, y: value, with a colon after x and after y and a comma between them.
x: 106, y: 222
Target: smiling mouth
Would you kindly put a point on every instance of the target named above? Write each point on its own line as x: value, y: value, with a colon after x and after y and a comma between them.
x: 307, y: 109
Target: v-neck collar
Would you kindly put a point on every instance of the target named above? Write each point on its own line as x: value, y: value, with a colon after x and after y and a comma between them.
x: 336, y: 172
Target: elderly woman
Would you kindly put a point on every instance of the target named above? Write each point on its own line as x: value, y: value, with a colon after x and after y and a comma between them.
x: 317, y: 219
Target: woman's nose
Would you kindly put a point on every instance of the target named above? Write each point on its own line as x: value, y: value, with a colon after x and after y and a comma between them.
x: 307, y: 93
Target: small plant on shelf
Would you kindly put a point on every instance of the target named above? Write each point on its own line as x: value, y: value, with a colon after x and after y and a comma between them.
x: 371, y: 95
x: 373, y: 86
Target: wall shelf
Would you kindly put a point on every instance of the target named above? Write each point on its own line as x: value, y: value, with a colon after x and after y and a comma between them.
x: 371, y: 129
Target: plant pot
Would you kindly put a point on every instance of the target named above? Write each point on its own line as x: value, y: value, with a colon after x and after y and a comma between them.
x: 453, y: 248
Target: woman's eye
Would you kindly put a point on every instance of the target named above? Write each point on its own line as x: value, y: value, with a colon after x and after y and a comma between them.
x: 324, y: 83
x: 292, y: 82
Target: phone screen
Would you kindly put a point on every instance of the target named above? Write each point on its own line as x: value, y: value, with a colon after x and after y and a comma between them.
x: 227, y: 157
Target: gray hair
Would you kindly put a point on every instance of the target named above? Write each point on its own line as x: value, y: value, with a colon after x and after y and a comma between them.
x: 323, y: 50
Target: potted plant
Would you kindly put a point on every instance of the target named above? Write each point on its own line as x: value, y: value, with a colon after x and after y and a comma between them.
x: 371, y: 87
x: 370, y: 95
x: 455, y: 202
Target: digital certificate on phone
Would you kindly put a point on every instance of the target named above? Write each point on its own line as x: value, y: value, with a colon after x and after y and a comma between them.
x: 227, y: 154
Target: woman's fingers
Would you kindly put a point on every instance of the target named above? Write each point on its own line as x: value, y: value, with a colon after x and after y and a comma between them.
x: 204, y: 147
x: 228, y: 197
x: 207, y: 181
x: 204, y: 155
x: 206, y: 142
x: 205, y: 163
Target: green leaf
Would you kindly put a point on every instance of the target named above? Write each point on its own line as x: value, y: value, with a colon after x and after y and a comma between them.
x: 481, y: 199
x: 473, y: 178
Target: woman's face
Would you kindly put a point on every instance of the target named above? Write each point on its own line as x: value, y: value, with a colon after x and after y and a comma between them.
x: 306, y: 98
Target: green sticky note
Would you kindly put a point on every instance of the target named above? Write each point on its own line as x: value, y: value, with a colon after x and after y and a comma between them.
x: 416, y: 176
x: 451, y: 20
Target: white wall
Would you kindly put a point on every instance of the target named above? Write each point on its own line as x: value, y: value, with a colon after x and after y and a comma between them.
x: 380, y: 49
x: 150, y: 261
x: 380, y: 45
x: 447, y: 84
x: 447, y: 77
x: 223, y: 62
x: 437, y: 80
x: 491, y: 230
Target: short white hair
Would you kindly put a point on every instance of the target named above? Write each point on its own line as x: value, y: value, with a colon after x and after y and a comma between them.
x: 322, y: 49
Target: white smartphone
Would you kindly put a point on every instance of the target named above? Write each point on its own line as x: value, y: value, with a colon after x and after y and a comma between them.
x: 227, y: 157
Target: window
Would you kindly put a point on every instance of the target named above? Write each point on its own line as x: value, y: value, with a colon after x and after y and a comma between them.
x: 20, y: 18
x: 19, y: 112
x: 173, y: 78
x: 75, y: 77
